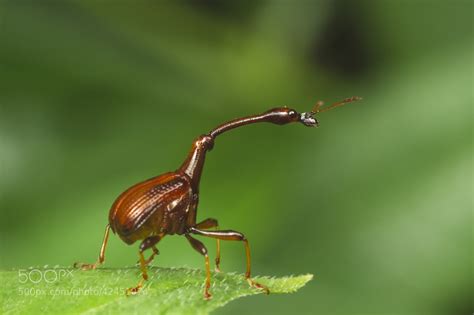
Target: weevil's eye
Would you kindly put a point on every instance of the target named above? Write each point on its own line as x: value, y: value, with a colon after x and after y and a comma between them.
x: 292, y: 114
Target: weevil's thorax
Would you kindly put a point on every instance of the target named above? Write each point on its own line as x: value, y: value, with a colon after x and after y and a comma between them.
x: 175, y: 214
x: 194, y: 162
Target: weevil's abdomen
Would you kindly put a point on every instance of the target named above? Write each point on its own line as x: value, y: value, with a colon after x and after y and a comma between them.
x: 156, y: 206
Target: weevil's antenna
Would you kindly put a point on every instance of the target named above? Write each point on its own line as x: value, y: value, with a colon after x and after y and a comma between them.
x: 317, y: 108
x: 308, y: 118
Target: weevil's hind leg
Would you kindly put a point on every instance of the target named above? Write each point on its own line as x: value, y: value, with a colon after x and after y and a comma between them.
x: 208, y: 224
x: 230, y: 235
x: 200, y: 248
x: 101, y: 254
x: 148, y: 242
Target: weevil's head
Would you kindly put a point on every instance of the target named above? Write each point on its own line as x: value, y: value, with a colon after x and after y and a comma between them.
x: 308, y: 118
x: 204, y: 141
x: 285, y: 115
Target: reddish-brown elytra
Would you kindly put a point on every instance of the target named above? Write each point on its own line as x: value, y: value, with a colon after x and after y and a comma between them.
x: 167, y: 204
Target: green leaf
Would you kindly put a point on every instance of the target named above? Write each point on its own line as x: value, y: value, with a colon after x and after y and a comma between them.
x: 168, y: 290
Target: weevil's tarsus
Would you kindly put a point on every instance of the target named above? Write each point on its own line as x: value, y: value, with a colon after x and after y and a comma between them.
x: 101, y: 259
x: 134, y: 290
x: 250, y: 281
x: 207, y: 295
x: 257, y: 285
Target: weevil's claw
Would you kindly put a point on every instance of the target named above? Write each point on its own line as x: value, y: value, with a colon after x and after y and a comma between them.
x: 83, y: 266
x: 258, y: 286
x: 218, y: 268
x: 134, y: 290
x: 207, y: 295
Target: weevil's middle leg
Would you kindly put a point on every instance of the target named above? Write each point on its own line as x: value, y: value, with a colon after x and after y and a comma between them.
x: 101, y: 259
x: 152, y: 256
x: 149, y: 242
x: 201, y: 249
x: 208, y: 224
x: 230, y: 235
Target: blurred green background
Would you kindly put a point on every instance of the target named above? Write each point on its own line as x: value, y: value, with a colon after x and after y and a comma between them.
x: 377, y: 203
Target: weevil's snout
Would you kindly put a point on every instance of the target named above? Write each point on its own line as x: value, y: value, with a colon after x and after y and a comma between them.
x: 309, y: 120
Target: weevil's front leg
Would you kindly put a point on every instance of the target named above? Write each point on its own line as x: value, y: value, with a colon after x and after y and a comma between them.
x: 230, y: 235
x: 149, y: 242
x: 208, y: 224
x: 201, y: 249
x: 101, y: 254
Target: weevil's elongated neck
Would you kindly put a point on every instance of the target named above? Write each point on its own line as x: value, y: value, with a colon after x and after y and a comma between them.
x: 271, y: 116
x: 194, y: 162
